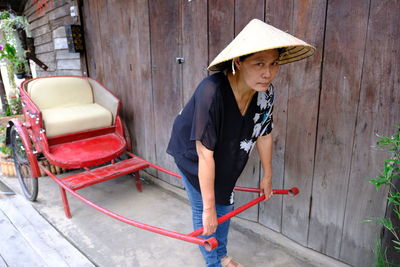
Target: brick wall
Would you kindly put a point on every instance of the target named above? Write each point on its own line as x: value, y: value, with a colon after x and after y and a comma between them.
x: 47, y: 29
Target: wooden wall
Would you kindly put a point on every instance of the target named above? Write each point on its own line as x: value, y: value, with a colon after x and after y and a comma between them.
x: 46, y: 26
x: 328, y: 111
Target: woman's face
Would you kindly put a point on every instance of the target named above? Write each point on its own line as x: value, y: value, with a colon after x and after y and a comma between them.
x: 259, y: 69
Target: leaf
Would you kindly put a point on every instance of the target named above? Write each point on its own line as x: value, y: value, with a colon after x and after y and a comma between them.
x: 394, y: 201
x: 386, y: 222
x: 397, y: 243
x: 397, y: 212
x: 379, y: 181
x: 394, y: 198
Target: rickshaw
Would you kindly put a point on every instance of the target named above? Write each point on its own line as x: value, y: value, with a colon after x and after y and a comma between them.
x: 74, y: 123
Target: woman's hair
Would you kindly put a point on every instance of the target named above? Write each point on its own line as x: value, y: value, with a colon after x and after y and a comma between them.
x: 245, y: 56
x: 280, y: 50
x: 227, y: 66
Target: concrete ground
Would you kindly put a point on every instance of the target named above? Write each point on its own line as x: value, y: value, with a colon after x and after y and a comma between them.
x: 107, y: 242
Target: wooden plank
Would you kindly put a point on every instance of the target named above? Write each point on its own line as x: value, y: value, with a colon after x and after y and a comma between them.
x: 49, y: 235
x: 126, y: 70
x: 194, y: 46
x: 128, y: 67
x: 140, y: 113
x: 121, y: 61
x: 165, y: 32
x: 105, y: 39
x: 2, y: 262
x: 378, y: 113
x: 93, y: 51
x: 13, y: 247
x: 113, y: 35
x: 245, y: 11
x: 49, y: 245
x: 344, y: 46
x: 308, y: 24
x: 90, y: 27
x: 221, y: 27
x: 278, y: 14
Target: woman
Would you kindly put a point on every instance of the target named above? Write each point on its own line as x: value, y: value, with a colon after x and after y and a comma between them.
x: 229, y: 113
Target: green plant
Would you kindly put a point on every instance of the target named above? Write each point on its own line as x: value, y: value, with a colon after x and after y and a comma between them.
x: 8, y: 52
x: 4, y: 15
x: 12, y: 53
x: 9, y: 26
x: 14, y: 106
x: 12, y: 50
x: 390, y: 172
x: 19, y: 65
x: 380, y: 255
x: 3, y: 130
x: 5, y: 150
x: 10, y: 22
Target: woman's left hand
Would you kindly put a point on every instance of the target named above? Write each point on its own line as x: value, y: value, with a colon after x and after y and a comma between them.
x: 266, y: 187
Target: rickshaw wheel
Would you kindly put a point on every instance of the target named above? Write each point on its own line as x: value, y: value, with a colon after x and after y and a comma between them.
x: 23, y: 167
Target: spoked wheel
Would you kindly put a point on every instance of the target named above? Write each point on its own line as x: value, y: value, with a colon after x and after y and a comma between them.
x: 23, y: 167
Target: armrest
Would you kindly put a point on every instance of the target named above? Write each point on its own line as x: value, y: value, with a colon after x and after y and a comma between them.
x: 105, y: 98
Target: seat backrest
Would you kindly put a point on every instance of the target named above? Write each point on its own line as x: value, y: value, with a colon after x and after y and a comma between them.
x: 60, y: 92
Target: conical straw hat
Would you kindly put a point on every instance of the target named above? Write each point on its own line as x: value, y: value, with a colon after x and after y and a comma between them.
x: 259, y: 36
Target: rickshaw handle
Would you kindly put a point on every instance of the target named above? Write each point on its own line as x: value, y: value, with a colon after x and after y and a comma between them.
x: 292, y: 192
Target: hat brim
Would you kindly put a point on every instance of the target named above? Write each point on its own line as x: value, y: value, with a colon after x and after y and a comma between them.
x: 292, y: 53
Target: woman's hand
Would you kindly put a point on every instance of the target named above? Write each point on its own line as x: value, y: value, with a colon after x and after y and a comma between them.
x: 266, y: 187
x: 210, y: 222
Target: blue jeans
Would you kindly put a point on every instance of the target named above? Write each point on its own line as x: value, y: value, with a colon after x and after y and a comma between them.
x: 212, y: 258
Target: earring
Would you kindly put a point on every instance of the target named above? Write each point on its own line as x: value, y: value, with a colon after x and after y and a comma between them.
x: 233, y: 67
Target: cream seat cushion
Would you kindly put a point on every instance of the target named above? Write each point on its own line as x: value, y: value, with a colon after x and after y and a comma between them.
x: 58, y: 121
x: 67, y: 105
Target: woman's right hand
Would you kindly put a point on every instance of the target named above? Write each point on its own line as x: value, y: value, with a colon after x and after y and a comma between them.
x: 210, y: 221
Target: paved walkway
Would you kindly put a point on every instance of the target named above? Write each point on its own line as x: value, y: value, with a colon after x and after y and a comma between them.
x: 40, y: 234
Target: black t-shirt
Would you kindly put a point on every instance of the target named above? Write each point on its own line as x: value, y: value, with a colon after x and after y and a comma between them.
x: 212, y: 117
